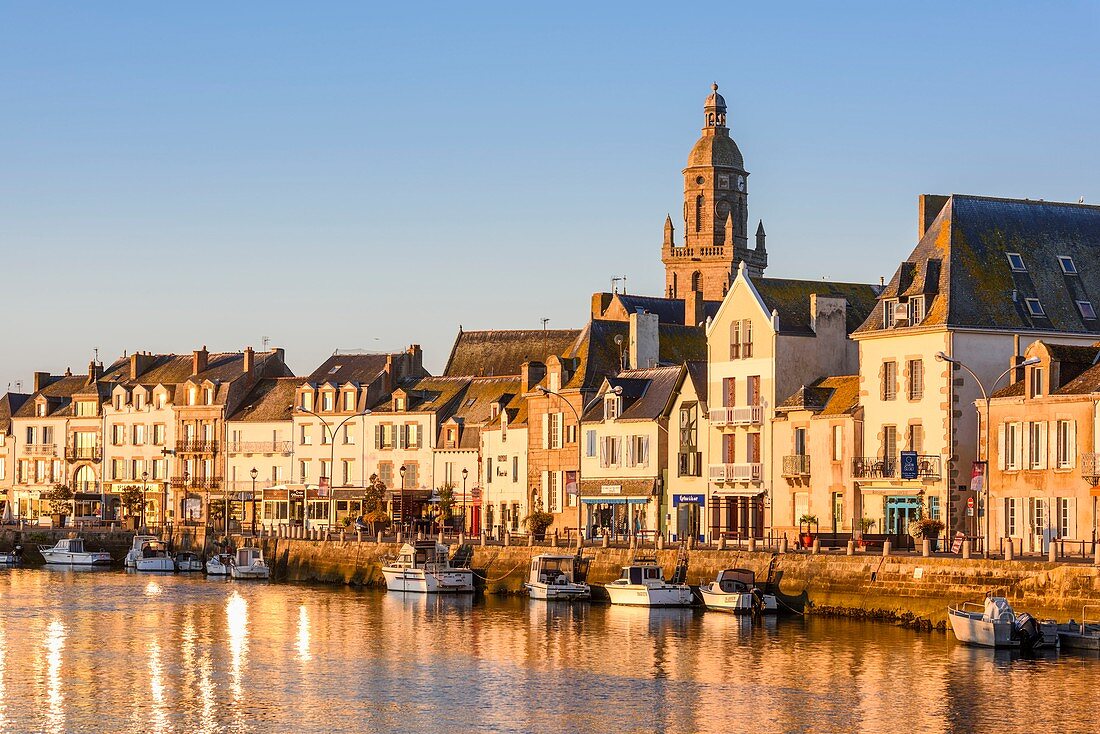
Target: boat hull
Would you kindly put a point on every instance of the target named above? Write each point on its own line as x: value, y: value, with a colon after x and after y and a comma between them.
x: 737, y: 603
x: 214, y: 568
x: 637, y: 595
x: 162, y: 565
x: 558, y: 592
x: 418, y: 581
x: 64, y: 558
x: 250, y: 572
x: 1072, y: 637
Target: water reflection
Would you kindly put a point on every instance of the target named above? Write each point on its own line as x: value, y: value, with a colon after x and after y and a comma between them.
x: 54, y: 644
x: 156, y: 688
x: 303, y: 634
x: 236, y: 613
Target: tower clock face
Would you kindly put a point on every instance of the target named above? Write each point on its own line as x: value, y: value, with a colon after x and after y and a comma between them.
x: 740, y: 183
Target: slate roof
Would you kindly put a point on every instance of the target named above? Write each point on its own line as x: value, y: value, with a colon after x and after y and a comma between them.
x: 697, y: 373
x: 646, y: 394
x: 961, y: 264
x: 834, y: 395
x: 502, y: 352
x: 270, y: 400
x: 791, y: 298
x: 668, y: 310
x: 58, y: 393
x: 473, y: 408
x: 599, y: 356
x: 427, y: 394
x: 1078, y: 370
x: 9, y: 404
x: 340, y: 369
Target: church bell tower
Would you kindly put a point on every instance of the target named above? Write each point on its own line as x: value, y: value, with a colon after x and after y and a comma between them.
x: 715, y: 233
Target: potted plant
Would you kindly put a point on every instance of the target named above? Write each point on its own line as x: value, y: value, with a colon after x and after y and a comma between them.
x: 374, y: 505
x: 539, y: 520
x: 927, y: 527
x: 132, y: 502
x: 866, y: 524
x: 61, y: 501
x: 807, y: 528
x: 446, y: 493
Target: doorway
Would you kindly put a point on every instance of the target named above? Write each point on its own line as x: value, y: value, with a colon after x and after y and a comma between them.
x: 900, y: 511
x: 687, y: 521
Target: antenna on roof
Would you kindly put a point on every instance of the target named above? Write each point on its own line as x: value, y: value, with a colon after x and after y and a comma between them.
x: 265, y: 340
x: 96, y: 353
x: 544, y: 323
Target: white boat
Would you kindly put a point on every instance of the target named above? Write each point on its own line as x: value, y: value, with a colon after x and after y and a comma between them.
x: 219, y: 564
x: 71, y: 552
x: 734, y: 590
x: 553, y: 577
x: 644, y: 585
x: 997, y: 625
x: 13, y: 557
x: 188, y: 561
x: 155, y: 557
x: 424, y: 567
x: 249, y: 564
x: 1083, y: 635
x: 135, y: 550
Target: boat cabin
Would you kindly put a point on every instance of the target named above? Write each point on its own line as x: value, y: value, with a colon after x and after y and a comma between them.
x: 70, y: 545
x: 547, y: 569
x: 736, y: 580
x: 423, y: 553
x: 641, y: 574
x: 153, y: 549
x: 248, y: 556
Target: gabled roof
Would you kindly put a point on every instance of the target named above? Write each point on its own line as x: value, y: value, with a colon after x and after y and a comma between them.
x: 269, y: 400
x: 58, y: 394
x: 646, y: 394
x: 697, y: 373
x: 9, y: 404
x: 834, y: 395
x: 668, y: 310
x: 502, y: 352
x: 961, y: 264
x: 791, y: 298
x: 598, y: 355
x: 343, y: 368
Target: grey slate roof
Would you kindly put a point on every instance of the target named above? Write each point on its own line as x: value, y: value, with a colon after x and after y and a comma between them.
x: 668, y: 310
x: 961, y: 263
x: 646, y: 394
x: 502, y: 352
x: 791, y: 298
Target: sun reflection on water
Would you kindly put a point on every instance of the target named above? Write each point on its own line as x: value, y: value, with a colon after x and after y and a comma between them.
x: 55, y: 644
x: 236, y: 612
x: 303, y: 634
x: 156, y: 688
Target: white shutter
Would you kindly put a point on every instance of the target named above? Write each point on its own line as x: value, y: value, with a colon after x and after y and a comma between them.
x: 559, y: 429
x: 630, y: 451
x: 1071, y: 528
x: 1000, y: 448
x: 603, y: 451
x: 414, y: 435
x: 1042, y: 449
x: 645, y: 451
x: 546, y: 431
x: 1021, y: 450
x: 1071, y: 445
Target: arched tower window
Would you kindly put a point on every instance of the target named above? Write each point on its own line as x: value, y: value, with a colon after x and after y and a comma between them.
x: 672, y: 293
x: 696, y: 281
x: 699, y: 213
x: 84, y: 479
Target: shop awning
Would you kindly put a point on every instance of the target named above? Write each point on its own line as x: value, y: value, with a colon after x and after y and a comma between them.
x: 881, y: 488
x: 615, y: 500
x: 618, y: 487
x: 748, y: 492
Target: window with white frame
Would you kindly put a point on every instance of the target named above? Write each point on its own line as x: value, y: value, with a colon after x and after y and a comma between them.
x: 1066, y: 517
x: 1065, y: 446
x: 304, y: 437
x: 889, y: 389
x: 637, y: 451
x: 611, y: 407
x: 1036, y: 382
x: 888, y: 314
x: 1034, y: 307
x: 1016, y: 262
x: 1068, y: 266
x: 1010, y: 449
x: 915, y: 383
x: 1087, y: 311
x: 1012, y: 508
x: 327, y: 399
x: 1037, y: 445
x: 349, y: 401
x: 611, y: 451
x: 916, y: 310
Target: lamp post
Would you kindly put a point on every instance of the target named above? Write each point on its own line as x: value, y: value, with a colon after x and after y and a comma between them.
x: 144, y: 500
x: 986, y: 397
x: 402, y: 472
x: 465, y: 473
x: 332, y: 453
x: 254, y: 473
x: 577, y: 416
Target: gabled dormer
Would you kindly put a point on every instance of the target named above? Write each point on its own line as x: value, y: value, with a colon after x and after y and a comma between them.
x: 41, y: 406
x: 400, y: 400
x: 306, y: 397
x: 162, y: 397
x: 120, y: 397
x: 349, y: 397
x: 451, y: 434
x: 326, y: 397
x: 85, y: 408
x: 140, y: 397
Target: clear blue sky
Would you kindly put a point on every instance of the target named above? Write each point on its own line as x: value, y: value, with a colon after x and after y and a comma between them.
x: 338, y: 175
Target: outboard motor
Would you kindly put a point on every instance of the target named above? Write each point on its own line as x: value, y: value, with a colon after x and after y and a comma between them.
x: 1027, y: 630
x: 17, y: 551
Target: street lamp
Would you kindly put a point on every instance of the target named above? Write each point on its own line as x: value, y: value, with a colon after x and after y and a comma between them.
x: 254, y: 473
x: 144, y: 509
x: 986, y: 396
x: 332, y: 454
x: 618, y: 390
x: 465, y: 473
x: 402, y: 471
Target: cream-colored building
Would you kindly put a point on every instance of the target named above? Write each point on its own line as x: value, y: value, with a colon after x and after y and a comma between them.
x: 986, y: 275
x: 770, y: 337
x: 687, y: 492
x: 503, y: 496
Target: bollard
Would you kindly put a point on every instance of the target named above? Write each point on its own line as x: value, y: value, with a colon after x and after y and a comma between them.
x: 660, y: 542
x: 358, y: 536
x: 752, y: 545
x: 966, y: 551
x: 440, y: 541
x: 1052, y: 553
x: 851, y: 547
x: 816, y: 547
x: 926, y: 547
x: 554, y: 539
x: 507, y: 539
x: 462, y: 538
x: 606, y: 541
x: 783, y: 547
x: 886, y: 545
x: 482, y: 537
x: 721, y: 543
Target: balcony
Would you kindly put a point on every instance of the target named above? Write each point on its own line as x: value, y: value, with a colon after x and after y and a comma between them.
x: 874, y: 467
x: 929, y: 467
x: 734, y: 472
x: 259, y: 447
x: 83, y: 453
x: 796, y: 466
x: 186, y: 482
x: 196, y: 447
x: 40, y: 449
x: 1090, y: 468
x: 745, y: 415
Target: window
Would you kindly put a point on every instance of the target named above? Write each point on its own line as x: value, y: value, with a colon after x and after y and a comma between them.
x: 553, y: 430
x: 412, y: 475
x: 349, y: 401
x: 326, y: 471
x: 118, y: 435
x: 746, y: 339
x: 1016, y: 262
x: 349, y: 437
x: 888, y: 319
x: 1037, y: 445
x: 307, y: 401
x: 399, y: 404
x: 610, y: 408
x: 139, y: 400
x: 729, y: 391
x: 916, y: 379
x: 934, y: 507
x: 571, y: 433
x: 889, y: 442
x: 303, y: 471
x: 916, y: 438
x: 304, y: 438
x: 40, y: 410
x: 889, y: 380
x: 752, y: 394
x: 1034, y: 307
x: 326, y: 436
x: 1011, y: 448
x: 689, y: 426
x: 118, y: 402
x: 838, y: 443
x: 610, y: 451
x: 1066, y: 517
x: 637, y: 451
x: 139, y: 435
x: 552, y: 491
x: 1086, y: 309
x: 1065, y: 444
x: 916, y: 310
x: 1068, y: 266
x: 327, y: 399
x: 590, y: 443
x: 800, y: 441
x: 85, y: 408
x: 735, y: 340
x: 208, y: 396
x: 515, y: 469
x: 161, y: 400
x: 689, y: 464
x: 158, y: 434
x: 1036, y: 389
x: 385, y: 473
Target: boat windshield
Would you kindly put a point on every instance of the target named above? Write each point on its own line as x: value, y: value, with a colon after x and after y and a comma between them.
x: 75, y: 545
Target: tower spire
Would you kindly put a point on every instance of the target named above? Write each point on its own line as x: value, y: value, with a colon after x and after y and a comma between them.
x: 668, y: 231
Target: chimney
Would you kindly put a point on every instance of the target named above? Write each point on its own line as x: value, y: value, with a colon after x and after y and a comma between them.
x: 387, y: 376
x: 693, y: 308
x: 95, y: 370
x: 644, y: 340
x: 199, y: 360
x: 826, y: 312
x: 600, y: 304
x: 139, y: 362
x: 929, y: 207
x: 531, y: 374
x: 249, y: 361
x: 41, y: 379
x: 1017, y: 358
x: 416, y: 360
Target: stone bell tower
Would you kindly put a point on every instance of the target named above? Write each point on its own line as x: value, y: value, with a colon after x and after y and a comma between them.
x: 716, y: 211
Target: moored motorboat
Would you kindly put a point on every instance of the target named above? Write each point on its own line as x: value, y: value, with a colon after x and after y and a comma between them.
x: 249, y: 564
x: 135, y: 550
x: 219, y: 564
x: 425, y: 567
x: 71, y: 552
x: 188, y: 561
x: 997, y: 625
x: 553, y: 577
x: 1083, y: 635
x: 155, y: 557
x: 13, y: 557
x: 734, y: 590
x: 643, y: 585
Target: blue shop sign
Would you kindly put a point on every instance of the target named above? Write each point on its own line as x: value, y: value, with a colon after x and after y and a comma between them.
x: 689, y: 499
x: 908, y: 464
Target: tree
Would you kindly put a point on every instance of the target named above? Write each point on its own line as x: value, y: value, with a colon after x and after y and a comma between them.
x: 60, y: 499
x: 374, y: 500
x: 446, y: 501
x: 132, y: 500
x: 539, y: 519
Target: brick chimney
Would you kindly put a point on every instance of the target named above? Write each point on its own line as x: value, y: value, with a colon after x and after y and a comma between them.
x: 95, y: 370
x: 41, y: 379
x: 416, y: 360
x: 199, y: 360
x: 249, y: 361
x: 600, y: 304
x: 1017, y: 374
x: 929, y: 207
x: 139, y: 362
x: 644, y: 340
x: 694, y: 314
x: 531, y: 374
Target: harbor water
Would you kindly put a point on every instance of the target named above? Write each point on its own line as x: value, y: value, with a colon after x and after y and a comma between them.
x: 108, y: 651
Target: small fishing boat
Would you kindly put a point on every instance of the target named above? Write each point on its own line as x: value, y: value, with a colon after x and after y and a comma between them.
x: 188, y: 561
x: 424, y: 567
x: 135, y: 549
x: 995, y: 624
x: 219, y: 564
x: 249, y: 564
x: 553, y: 577
x: 71, y: 552
x: 643, y: 585
x: 13, y: 557
x: 734, y: 590
x: 1083, y: 635
x: 155, y: 557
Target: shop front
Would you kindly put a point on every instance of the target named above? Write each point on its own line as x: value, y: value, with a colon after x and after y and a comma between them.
x: 688, y: 512
x: 737, y: 515
x: 619, y: 509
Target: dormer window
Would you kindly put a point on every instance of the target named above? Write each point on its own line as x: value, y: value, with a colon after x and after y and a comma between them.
x: 326, y: 402
x: 139, y: 401
x: 399, y: 403
x: 307, y: 400
x: 1068, y: 266
x: 611, y: 408
x: 494, y: 411
x: 1016, y: 262
x: 84, y: 408
x: 1036, y: 390
x: 118, y: 402
x: 1034, y: 307
x: 889, y: 306
x: 349, y: 400
x: 916, y: 310
x: 208, y: 396
x: 1086, y: 309
x: 40, y: 410
x: 192, y: 396
x: 161, y: 400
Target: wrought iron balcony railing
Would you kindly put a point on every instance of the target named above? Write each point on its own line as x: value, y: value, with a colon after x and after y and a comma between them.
x: 796, y: 465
